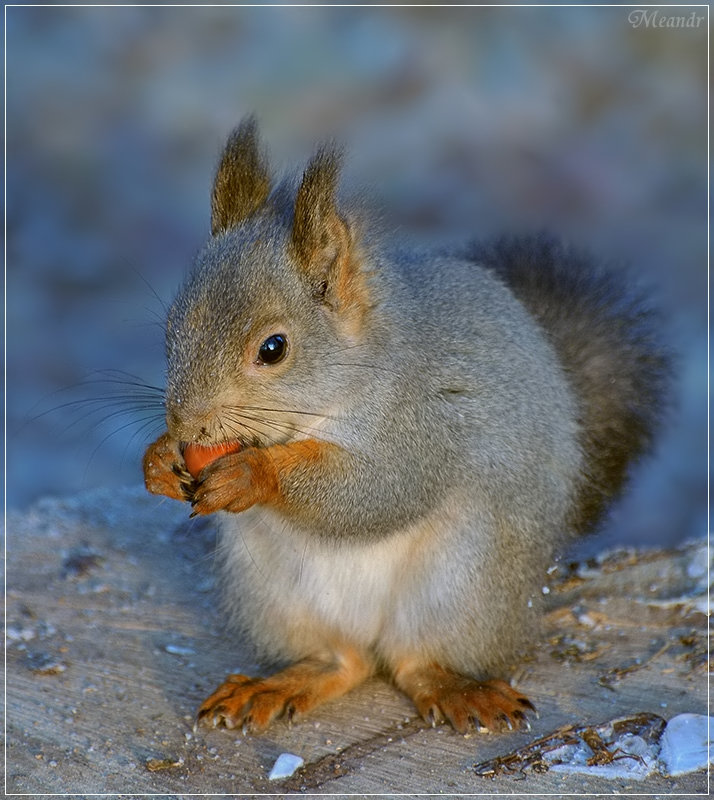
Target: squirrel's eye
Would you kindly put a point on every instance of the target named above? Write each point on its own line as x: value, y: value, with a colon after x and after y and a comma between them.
x: 273, y: 349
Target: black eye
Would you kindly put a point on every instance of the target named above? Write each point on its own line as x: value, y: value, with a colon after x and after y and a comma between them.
x: 273, y: 349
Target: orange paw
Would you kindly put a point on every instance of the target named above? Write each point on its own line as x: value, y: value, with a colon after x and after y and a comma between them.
x: 235, y: 482
x: 164, y: 470
x: 253, y: 703
x: 441, y: 695
x: 243, y: 702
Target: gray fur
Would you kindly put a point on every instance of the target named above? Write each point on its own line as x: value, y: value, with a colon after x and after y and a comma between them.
x: 464, y: 447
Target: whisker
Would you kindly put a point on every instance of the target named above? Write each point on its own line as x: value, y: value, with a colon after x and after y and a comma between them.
x: 103, y: 405
x: 105, y: 401
x: 285, y: 411
x: 250, y: 554
x: 153, y: 423
x: 372, y: 367
x: 223, y: 545
x: 149, y: 424
x: 94, y: 424
x: 302, y: 563
x: 103, y: 440
x: 239, y: 425
x: 122, y: 376
x: 164, y: 305
x: 235, y: 427
x: 348, y: 348
x: 239, y: 418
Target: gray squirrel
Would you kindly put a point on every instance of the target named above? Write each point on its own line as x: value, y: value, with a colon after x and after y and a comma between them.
x: 396, y: 442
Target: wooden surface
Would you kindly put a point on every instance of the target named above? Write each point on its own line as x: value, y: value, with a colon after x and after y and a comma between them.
x: 114, y: 639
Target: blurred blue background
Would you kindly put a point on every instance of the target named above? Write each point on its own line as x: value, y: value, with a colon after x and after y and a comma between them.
x: 464, y: 121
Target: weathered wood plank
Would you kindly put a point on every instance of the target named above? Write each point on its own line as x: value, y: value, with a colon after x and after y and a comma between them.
x: 114, y: 638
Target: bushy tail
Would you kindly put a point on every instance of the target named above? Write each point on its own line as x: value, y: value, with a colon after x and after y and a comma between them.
x: 606, y: 336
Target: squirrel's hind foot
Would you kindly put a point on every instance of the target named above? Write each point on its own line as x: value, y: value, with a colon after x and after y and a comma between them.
x: 441, y: 695
x: 254, y: 703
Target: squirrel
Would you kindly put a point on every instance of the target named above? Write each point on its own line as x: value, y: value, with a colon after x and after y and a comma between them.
x: 404, y: 439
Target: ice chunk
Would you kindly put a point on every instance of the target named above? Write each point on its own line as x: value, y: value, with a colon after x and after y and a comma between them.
x: 685, y: 744
x: 628, y: 756
x: 179, y: 650
x: 285, y: 766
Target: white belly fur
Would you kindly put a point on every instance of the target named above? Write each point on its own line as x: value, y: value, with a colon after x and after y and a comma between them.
x: 292, y: 589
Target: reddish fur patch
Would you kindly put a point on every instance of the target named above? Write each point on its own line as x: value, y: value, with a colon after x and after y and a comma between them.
x: 287, y: 457
x: 240, y: 480
x: 253, y: 703
x: 164, y: 472
x: 442, y: 695
x: 323, y: 244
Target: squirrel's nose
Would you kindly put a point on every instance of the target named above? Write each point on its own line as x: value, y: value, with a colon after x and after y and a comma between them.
x: 187, y: 423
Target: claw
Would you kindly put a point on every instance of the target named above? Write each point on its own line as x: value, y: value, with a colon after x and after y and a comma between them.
x: 521, y: 716
x: 434, y: 717
x: 440, y: 693
x: 253, y: 704
x: 524, y: 701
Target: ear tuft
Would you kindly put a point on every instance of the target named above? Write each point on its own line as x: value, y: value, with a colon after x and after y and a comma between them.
x: 319, y: 234
x: 242, y: 182
x: 323, y: 245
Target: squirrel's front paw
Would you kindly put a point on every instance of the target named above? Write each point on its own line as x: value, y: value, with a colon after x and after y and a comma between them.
x: 235, y: 482
x: 164, y: 470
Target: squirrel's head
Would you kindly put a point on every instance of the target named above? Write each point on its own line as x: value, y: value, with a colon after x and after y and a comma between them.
x: 257, y: 336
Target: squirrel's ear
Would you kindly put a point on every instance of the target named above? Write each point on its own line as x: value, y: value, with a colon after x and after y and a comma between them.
x: 242, y: 183
x: 321, y: 240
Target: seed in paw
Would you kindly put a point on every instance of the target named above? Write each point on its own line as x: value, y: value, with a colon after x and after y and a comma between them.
x: 197, y: 456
